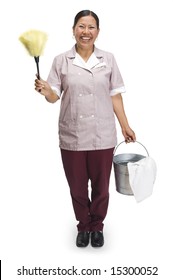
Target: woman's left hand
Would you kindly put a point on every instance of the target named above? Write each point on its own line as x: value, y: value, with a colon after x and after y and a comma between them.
x: 129, y: 135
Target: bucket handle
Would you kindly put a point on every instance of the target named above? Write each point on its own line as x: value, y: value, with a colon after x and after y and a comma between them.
x: 135, y: 142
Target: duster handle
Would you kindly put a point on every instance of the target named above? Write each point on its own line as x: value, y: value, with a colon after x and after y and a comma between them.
x: 37, y: 64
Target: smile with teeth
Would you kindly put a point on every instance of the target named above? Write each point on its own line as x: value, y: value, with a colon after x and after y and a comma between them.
x: 85, y: 38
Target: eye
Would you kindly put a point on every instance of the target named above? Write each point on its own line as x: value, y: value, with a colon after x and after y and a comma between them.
x: 81, y: 26
x: 92, y: 27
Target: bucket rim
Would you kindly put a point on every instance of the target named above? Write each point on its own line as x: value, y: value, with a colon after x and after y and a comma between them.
x: 127, y: 157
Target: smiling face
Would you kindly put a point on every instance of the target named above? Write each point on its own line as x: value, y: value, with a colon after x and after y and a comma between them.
x: 86, y: 32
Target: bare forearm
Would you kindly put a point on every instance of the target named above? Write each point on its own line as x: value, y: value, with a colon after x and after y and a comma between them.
x: 118, y: 107
x: 52, y: 97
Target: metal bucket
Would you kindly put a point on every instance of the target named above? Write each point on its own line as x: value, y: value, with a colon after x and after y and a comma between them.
x: 120, y: 162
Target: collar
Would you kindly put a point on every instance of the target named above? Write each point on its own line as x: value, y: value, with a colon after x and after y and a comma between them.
x: 94, y: 60
x: 72, y: 53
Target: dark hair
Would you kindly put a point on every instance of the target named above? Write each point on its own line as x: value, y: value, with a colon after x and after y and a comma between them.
x: 85, y: 13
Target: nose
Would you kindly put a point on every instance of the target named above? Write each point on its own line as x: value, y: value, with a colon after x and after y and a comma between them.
x: 86, y: 30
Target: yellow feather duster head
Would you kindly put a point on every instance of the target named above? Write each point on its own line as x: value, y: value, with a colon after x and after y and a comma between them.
x: 34, y: 41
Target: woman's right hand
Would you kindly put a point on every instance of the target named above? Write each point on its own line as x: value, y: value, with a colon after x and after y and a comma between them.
x: 44, y: 89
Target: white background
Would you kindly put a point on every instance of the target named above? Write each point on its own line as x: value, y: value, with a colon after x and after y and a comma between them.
x: 37, y: 224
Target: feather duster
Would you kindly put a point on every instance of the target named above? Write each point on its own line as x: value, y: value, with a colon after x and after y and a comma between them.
x: 34, y: 41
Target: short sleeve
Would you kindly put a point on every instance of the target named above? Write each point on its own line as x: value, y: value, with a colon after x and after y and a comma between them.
x: 54, y: 77
x: 116, y: 82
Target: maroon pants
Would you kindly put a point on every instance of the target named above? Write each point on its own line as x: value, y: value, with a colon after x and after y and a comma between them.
x: 80, y: 167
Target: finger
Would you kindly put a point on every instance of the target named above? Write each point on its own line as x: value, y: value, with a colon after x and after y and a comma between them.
x: 39, y: 88
x: 39, y: 84
x: 128, y: 139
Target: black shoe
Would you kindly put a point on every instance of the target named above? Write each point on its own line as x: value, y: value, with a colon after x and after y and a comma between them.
x: 82, y: 239
x: 97, y: 239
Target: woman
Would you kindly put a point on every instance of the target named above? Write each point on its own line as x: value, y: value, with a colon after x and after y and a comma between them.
x: 90, y: 85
